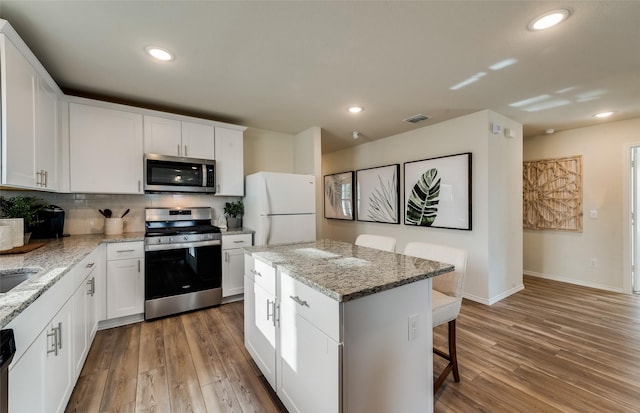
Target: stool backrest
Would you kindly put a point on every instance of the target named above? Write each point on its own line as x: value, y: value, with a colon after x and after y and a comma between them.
x: 379, y: 242
x: 451, y: 283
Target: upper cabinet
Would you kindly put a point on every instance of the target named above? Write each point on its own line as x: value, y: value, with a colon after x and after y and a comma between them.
x: 29, y: 118
x: 105, y: 150
x: 178, y: 138
x: 229, y: 162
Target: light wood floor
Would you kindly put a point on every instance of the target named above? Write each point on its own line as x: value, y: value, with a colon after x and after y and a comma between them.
x: 553, y: 347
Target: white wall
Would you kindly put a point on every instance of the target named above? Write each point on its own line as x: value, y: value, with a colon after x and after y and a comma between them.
x: 566, y: 256
x: 307, y: 156
x: 494, y: 245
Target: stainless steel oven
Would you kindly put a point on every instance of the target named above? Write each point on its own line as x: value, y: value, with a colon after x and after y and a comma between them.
x: 183, y: 261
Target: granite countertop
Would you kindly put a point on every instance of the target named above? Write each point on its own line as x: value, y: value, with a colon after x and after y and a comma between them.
x: 52, y: 261
x: 344, y: 271
x: 235, y: 231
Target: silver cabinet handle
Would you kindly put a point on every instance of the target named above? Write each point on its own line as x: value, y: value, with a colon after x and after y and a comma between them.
x: 299, y: 301
x: 238, y: 242
x: 271, y: 311
x: 90, y: 265
x: 138, y: 265
x: 59, y: 340
x: 252, y: 271
x: 119, y: 251
x: 185, y: 150
x: 92, y: 286
x: 46, y: 178
x: 39, y: 178
x: 226, y: 256
x: 178, y: 149
x: 53, y: 348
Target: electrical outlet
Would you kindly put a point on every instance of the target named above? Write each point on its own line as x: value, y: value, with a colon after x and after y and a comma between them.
x: 413, y: 327
x: 594, y: 263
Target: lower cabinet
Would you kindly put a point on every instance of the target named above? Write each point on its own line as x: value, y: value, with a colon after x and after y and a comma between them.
x: 233, y: 263
x: 284, y: 335
x: 41, y: 380
x: 125, y: 279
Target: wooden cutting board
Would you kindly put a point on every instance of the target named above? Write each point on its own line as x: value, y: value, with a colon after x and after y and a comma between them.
x: 23, y: 249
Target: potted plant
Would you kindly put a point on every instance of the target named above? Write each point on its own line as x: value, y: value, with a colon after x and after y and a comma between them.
x: 234, y: 211
x: 25, y: 207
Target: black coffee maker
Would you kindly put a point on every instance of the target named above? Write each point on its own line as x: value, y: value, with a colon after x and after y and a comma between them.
x: 50, y: 223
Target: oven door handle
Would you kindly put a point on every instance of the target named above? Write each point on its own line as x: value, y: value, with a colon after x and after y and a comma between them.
x: 179, y: 245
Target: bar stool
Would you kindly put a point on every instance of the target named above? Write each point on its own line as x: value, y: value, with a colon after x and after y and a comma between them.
x: 446, y: 297
x: 379, y: 242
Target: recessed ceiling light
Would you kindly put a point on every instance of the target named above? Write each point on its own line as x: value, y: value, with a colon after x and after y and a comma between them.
x: 603, y: 115
x: 355, y: 109
x: 549, y: 19
x: 158, y: 53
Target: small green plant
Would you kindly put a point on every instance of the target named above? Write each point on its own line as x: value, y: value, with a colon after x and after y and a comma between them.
x: 26, y: 207
x: 234, y: 209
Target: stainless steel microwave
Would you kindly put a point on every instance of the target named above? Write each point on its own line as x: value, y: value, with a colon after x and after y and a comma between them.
x: 164, y: 173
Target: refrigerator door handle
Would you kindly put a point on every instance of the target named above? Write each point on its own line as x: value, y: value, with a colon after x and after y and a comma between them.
x: 267, y: 230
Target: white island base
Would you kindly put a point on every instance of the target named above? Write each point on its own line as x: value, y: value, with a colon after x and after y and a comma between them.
x: 359, y: 353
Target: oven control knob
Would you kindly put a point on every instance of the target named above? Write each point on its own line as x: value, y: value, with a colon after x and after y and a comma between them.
x: 159, y: 240
x: 185, y: 238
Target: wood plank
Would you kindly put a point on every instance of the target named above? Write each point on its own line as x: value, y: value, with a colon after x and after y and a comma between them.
x: 88, y: 393
x: 152, y: 393
x: 152, y: 356
x: 120, y: 390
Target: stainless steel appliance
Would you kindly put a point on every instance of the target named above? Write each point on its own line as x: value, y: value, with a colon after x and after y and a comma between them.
x: 164, y: 173
x: 183, y: 261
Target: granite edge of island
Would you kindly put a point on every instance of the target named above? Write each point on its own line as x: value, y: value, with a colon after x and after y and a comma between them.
x: 292, y: 270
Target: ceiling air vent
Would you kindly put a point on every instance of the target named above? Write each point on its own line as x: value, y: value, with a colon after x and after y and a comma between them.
x: 416, y: 118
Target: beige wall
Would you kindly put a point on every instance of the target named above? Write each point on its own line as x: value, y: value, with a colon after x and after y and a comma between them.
x: 495, y: 243
x: 269, y: 151
x: 567, y: 256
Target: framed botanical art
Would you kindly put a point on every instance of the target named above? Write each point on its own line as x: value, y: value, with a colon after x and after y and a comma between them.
x: 437, y: 192
x: 378, y: 194
x: 338, y: 196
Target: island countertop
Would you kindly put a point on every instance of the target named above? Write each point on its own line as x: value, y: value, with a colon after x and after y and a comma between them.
x: 344, y: 271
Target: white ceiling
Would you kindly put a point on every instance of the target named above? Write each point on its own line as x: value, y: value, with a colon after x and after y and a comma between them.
x: 287, y: 66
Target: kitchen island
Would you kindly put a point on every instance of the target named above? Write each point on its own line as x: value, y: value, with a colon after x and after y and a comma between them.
x: 336, y: 327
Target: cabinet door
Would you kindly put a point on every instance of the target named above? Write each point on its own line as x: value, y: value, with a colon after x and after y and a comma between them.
x: 125, y: 287
x: 41, y: 380
x: 308, y: 364
x: 47, y: 137
x: 232, y: 272
x: 260, y: 330
x: 198, y: 140
x: 229, y: 162
x: 79, y: 300
x: 162, y: 136
x: 105, y: 150
x: 19, y: 82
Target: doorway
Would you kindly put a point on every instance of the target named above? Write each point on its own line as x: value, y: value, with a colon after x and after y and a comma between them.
x: 635, y: 216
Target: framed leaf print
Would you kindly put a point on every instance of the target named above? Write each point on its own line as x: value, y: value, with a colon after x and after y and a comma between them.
x: 378, y: 194
x: 338, y: 196
x: 437, y: 192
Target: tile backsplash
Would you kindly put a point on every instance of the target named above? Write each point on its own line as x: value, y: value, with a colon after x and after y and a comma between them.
x: 82, y: 216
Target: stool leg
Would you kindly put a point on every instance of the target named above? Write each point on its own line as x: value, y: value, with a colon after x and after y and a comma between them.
x: 452, y: 350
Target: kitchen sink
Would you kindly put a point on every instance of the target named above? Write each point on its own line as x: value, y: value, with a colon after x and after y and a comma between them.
x: 11, y: 278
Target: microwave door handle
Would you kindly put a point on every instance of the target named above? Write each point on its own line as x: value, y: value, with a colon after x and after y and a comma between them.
x: 204, y: 175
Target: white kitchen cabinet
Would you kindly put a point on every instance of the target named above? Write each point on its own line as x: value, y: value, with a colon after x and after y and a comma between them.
x: 85, y: 308
x: 41, y: 379
x: 173, y: 137
x: 125, y: 279
x: 233, y: 263
x: 29, y: 118
x: 309, y: 359
x: 106, y: 150
x: 229, y: 162
x: 260, y: 316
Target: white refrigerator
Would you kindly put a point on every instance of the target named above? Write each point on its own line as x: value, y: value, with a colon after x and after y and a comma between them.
x: 280, y: 208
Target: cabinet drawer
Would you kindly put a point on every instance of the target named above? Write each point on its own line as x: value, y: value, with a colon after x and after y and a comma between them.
x: 84, y: 268
x: 236, y: 241
x: 313, y: 306
x: 125, y: 250
x: 262, y: 273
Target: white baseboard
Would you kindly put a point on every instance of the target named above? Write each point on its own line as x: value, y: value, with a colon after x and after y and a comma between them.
x: 494, y: 299
x: 573, y: 281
